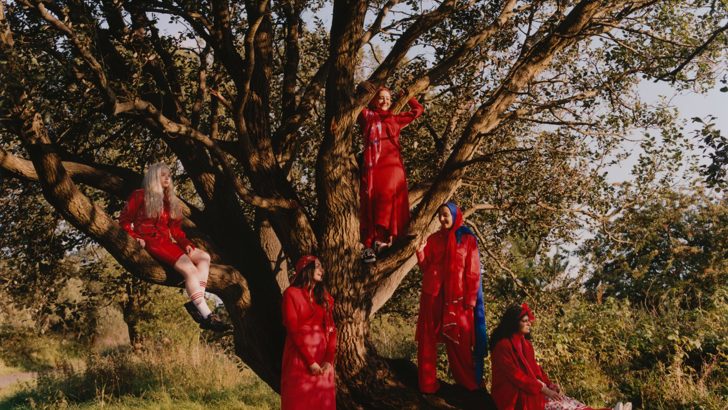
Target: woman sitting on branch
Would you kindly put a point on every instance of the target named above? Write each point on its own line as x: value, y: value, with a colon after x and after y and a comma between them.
x: 153, y: 216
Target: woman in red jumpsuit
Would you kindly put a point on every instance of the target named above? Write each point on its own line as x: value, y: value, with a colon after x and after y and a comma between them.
x: 153, y: 217
x: 384, y: 211
x: 519, y: 383
x: 307, y: 374
x: 451, y: 304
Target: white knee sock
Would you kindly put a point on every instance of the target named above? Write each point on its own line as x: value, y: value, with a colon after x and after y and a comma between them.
x: 198, y: 298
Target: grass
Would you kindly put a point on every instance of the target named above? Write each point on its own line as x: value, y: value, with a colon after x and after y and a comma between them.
x: 192, y: 376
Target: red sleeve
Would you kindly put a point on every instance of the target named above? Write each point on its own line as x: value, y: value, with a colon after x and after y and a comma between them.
x: 363, y: 117
x: 331, y: 342
x: 407, y: 117
x: 129, y: 213
x: 175, y: 228
x: 290, y: 321
x: 472, y: 271
x: 422, y: 258
x: 505, y: 364
x: 544, y: 378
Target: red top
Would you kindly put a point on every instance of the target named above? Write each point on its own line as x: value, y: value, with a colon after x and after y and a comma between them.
x: 383, y: 192
x: 516, y: 375
x: 465, y: 266
x: 138, y: 225
x: 303, y: 316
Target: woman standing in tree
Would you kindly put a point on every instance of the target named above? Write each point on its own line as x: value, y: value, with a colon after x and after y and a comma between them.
x: 451, y: 303
x: 384, y: 211
x: 307, y: 375
x: 519, y: 383
x: 153, y: 217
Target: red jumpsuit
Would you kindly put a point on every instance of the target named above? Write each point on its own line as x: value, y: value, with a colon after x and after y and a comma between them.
x: 310, y: 338
x: 433, y: 325
x: 384, y: 207
x: 158, y: 233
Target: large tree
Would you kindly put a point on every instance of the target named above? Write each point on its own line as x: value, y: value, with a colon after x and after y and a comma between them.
x: 258, y: 109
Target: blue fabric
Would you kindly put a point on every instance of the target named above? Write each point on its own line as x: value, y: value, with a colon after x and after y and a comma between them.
x: 480, y: 349
x: 463, y: 230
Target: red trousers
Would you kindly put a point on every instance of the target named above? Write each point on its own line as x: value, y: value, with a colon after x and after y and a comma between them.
x: 459, y: 356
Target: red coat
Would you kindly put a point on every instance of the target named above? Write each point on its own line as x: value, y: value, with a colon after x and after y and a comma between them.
x: 310, y: 338
x: 157, y: 233
x: 515, y: 380
x: 463, y: 276
x: 383, y: 193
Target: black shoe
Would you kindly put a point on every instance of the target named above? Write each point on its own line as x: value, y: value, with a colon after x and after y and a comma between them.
x: 192, y: 310
x: 368, y: 255
x: 213, y: 323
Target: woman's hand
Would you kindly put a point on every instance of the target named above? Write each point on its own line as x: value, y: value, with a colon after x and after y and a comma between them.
x: 555, y: 387
x: 189, y: 249
x: 326, y: 367
x: 367, y: 86
x: 555, y: 396
x: 421, y: 246
x: 315, y: 369
x: 141, y: 242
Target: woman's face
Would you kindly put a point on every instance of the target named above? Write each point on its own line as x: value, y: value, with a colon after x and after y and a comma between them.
x: 165, y: 179
x: 383, y: 100
x: 318, y: 272
x: 524, y: 325
x: 445, y: 217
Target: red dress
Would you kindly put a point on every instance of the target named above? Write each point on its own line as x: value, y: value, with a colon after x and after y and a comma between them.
x: 515, y: 375
x: 310, y: 338
x: 516, y: 378
x: 158, y: 233
x: 384, y: 207
x: 452, y: 324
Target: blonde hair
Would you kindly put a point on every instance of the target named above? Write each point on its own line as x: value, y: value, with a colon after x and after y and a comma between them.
x: 154, y: 194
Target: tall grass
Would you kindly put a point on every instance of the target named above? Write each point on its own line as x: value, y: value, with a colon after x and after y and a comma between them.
x: 191, y: 376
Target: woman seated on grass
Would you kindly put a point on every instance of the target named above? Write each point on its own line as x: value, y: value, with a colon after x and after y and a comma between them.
x: 518, y: 382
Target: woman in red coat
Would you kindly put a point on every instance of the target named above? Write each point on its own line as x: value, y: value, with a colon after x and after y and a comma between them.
x: 307, y: 375
x: 153, y: 217
x: 519, y: 383
x: 451, y: 304
x: 384, y: 211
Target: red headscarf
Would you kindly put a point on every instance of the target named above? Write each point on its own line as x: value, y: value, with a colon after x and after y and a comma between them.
x: 523, y: 347
x: 526, y: 311
x: 302, y: 263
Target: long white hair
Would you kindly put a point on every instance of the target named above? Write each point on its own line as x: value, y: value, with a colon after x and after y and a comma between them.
x: 154, y: 194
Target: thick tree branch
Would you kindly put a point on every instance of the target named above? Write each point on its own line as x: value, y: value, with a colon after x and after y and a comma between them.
x: 150, y: 111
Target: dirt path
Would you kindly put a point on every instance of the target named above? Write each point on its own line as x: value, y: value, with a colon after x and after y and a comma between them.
x: 12, y: 378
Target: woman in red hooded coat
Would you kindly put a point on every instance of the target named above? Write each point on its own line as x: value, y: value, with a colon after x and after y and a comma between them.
x: 518, y: 382
x: 451, y: 304
x: 307, y: 375
x: 384, y: 211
